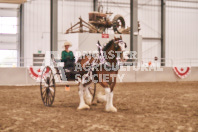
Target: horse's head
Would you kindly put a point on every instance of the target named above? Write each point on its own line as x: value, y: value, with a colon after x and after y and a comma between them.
x: 121, y: 46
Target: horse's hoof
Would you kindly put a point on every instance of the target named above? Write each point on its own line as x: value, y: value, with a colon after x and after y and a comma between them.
x: 83, y: 107
x: 111, y: 109
x: 88, y: 99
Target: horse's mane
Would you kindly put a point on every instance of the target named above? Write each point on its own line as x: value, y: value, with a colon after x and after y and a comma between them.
x: 107, y: 45
x: 86, y: 55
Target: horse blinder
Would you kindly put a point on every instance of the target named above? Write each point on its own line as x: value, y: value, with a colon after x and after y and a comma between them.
x: 116, y: 46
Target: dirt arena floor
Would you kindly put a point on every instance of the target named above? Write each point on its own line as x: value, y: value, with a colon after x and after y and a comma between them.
x: 142, y: 107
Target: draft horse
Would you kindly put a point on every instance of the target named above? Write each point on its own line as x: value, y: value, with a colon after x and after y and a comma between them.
x: 108, y: 66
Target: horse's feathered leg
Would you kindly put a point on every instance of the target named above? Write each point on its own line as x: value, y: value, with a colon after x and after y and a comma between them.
x: 88, y: 96
x: 82, y: 104
x: 109, y: 105
x: 101, y: 97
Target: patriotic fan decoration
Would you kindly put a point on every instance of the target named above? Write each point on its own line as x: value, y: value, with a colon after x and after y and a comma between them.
x: 182, y: 72
x: 35, y: 73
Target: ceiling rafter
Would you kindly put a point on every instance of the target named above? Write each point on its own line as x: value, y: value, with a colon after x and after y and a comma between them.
x: 13, y: 1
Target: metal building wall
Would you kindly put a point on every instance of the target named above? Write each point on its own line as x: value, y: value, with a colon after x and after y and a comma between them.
x: 149, y: 16
x: 69, y: 12
x: 181, y: 28
x: 182, y: 32
x: 36, y: 28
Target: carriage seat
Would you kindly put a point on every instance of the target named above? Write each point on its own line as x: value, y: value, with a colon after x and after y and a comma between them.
x: 69, y: 69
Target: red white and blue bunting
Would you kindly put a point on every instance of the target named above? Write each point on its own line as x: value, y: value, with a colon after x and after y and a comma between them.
x: 35, y: 72
x: 182, y: 72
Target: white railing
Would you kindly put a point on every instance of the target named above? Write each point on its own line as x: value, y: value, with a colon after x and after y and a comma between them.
x: 167, y: 62
x: 24, y: 62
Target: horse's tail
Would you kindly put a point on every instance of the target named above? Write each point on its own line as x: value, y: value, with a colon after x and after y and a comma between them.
x: 99, y: 45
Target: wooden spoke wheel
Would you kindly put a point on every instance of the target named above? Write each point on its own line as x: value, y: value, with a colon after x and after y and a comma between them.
x: 118, y: 24
x: 47, y: 86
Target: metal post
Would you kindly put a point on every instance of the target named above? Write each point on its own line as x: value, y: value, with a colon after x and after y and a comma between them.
x: 53, y: 25
x: 163, y: 49
x: 95, y: 5
x: 134, y: 25
x: 131, y: 23
x: 21, y: 37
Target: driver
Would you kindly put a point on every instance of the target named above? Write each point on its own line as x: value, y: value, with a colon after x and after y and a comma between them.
x: 67, y: 56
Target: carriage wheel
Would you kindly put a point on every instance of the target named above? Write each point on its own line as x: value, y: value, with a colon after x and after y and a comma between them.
x: 47, y: 86
x: 118, y: 24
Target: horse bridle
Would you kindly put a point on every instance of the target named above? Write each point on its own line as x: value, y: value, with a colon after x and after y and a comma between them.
x: 116, y: 46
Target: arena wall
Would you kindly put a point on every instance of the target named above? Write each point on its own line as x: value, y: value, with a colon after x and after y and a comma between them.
x: 21, y: 76
x: 15, y: 76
